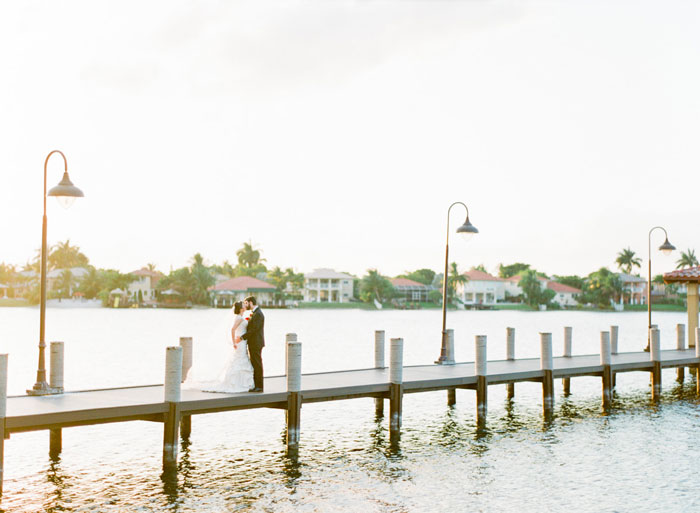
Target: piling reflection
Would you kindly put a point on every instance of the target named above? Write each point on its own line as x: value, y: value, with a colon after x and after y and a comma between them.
x: 59, y: 484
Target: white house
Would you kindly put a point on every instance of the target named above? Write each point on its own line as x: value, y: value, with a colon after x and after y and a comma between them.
x: 481, y: 289
x: 237, y: 289
x: 634, y: 289
x: 564, y: 294
x: 145, y: 283
x: 411, y: 290
x: 328, y: 286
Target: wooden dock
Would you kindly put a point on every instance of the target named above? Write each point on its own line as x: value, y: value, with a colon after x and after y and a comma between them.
x: 174, y: 406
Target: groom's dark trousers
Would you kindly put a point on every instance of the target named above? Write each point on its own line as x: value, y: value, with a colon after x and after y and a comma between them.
x: 255, y: 336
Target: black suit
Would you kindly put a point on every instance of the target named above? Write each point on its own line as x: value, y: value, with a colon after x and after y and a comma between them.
x: 255, y: 336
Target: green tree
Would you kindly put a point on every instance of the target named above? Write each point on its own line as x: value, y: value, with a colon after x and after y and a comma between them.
x: 424, y: 276
x: 65, y: 256
x: 603, y: 287
x: 455, y: 278
x: 506, y: 271
x: 572, y: 281
x: 248, y: 256
x: 687, y: 259
x: 481, y: 268
x: 201, y: 281
x: 375, y: 286
x: 626, y: 260
x: 296, y: 281
x: 533, y: 292
x: 91, y: 284
x: 64, y: 284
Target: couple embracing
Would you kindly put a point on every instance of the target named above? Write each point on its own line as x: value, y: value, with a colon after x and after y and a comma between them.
x: 243, y: 369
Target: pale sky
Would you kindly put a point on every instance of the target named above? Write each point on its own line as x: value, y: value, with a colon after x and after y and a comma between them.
x: 337, y: 133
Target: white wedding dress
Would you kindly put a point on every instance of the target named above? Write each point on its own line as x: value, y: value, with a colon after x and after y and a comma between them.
x: 236, y: 375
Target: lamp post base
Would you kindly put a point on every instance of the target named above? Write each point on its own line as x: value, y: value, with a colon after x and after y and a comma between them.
x: 444, y: 361
x: 43, y: 388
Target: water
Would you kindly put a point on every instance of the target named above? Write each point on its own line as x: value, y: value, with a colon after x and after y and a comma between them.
x: 640, y: 457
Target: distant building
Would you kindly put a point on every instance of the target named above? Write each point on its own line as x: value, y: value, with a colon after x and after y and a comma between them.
x: 481, y: 289
x: 564, y: 294
x: 53, y: 277
x: 145, y: 283
x: 237, y: 289
x: 634, y: 289
x: 328, y: 286
x: 410, y: 290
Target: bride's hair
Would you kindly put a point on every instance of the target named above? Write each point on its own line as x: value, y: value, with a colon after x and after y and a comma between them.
x: 237, y: 307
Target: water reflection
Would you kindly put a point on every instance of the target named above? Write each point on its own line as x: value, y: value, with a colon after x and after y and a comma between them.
x: 59, y: 482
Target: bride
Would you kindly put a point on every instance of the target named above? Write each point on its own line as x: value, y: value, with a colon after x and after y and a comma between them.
x: 236, y: 375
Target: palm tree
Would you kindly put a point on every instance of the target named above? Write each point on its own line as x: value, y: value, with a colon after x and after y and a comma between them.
x: 626, y: 260
x: 150, y: 266
x: 65, y: 256
x: 687, y: 259
x: 375, y: 286
x: 455, y: 277
x: 249, y: 256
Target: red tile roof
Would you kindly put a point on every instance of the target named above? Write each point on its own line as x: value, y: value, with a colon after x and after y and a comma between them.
x: 476, y: 275
x: 560, y: 287
x: 405, y: 282
x: 243, y: 284
x: 691, y: 274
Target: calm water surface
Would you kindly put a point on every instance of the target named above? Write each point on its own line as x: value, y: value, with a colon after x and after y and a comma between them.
x: 641, y: 457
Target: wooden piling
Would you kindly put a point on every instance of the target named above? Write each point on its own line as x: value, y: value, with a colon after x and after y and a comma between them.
x: 451, y: 392
x: 655, y: 355
x: 547, y: 366
x: 186, y: 420
x: 395, y: 385
x: 481, y: 381
x: 293, y: 395
x: 606, y: 362
x: 614, y: 332
x: 56, y: 353
x: 510, y: 355
x: 567, y: 354
x: 379, y: 363
x: 3, y: 413
x: 680, y: 345
x: 173, y: 381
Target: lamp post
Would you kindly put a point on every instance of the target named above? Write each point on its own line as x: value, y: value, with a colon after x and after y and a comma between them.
x: 467, y: 230
x: 65, y: 192
x: 666, y: 249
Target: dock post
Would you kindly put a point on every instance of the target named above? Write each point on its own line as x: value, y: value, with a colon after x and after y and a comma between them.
x: 173, y: 380
x: 56, y: 383
x: 614, y: 332
x: 656, y: 359
x: 547, y: 365
x: 567, y: 354
x: 510, y: 355
x: 680, y: 345
x: 3, y: 413
x: 481, y: 381
x: 396, y: 386
x: 293, y: 395
x: 289, y: 337
x: 379, y: 364
x: 450, y: 351
x: 186, y: 420
x: 606, y: 362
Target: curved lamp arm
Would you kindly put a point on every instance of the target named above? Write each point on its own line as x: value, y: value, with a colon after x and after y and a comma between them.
x: 65, y: 169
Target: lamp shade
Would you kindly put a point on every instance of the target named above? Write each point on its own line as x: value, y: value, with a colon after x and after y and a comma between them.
x: 666, y: 247
x: 467, y: 230
x: 65, y: 192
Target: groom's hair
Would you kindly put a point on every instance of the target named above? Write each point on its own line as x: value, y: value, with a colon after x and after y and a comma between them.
x: 252, y: 300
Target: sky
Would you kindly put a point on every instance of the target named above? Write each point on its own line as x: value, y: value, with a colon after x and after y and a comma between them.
x: 337, y: 133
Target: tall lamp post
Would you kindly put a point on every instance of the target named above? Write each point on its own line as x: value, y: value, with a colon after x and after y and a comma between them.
x: 666, y: 249
x: 65, y: 192
x: 467, y: 230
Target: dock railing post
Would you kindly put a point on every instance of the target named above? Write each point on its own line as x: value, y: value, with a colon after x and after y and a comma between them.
x: 379, y: 363
x: 293, y: 395
x: 3, y: 414
x: 655, y: 354
x: 614, y: 332
x: 480, y: 364
x: 567, y: 354
x: 186, y: 420
x: 56, y: 383
x: 606, y: 362
x: 510, y: 356
x: 450, y: 351
x: 395, y: 386
x: 680, y: 345
x: 171, y: 393
x: 547, y: 366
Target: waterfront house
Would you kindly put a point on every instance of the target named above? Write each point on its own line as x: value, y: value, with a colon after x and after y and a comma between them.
x: 237, y: 289
x: 143, y: 288
x: 564, y: 294
x: 328, y: 286
x: 481, y: 289
x: 634, y: 289
x: 410, y: 290
x: 77, y: 273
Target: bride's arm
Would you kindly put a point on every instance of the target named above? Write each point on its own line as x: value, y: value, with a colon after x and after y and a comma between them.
x: 237, y: 323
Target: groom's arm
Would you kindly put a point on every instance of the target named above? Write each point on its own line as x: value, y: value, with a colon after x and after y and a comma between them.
x: 253, y: 326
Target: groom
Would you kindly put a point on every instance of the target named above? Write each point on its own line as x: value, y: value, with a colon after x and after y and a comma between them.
x: 255, y: 336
